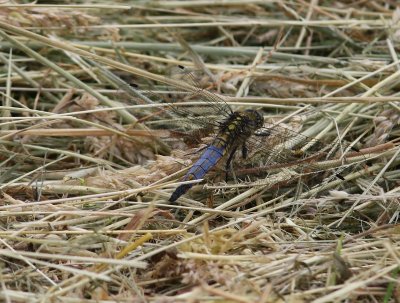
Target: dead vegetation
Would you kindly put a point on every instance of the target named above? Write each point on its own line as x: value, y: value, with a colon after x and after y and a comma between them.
x: 86, y: 172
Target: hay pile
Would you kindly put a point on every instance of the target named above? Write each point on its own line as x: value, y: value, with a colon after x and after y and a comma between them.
x: 86, y: 171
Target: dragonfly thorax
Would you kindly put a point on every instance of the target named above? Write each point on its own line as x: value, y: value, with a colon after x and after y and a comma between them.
x: 240, y: 125
x: 255, y: 117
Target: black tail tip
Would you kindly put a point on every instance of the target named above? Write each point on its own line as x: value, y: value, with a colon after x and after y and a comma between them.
x: 175, y: 195
x: 172, y: 199
x: 179, y: 191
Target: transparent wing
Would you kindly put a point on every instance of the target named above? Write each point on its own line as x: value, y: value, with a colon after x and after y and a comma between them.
x: 199, y: 108
x: 281, y: 147
x: 181, y: 111
x: 214, y: 105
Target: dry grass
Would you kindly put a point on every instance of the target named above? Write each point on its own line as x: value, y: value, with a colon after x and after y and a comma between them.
x: 86, y: 172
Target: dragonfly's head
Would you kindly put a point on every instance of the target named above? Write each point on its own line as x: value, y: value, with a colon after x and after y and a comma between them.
x: 255, y: 117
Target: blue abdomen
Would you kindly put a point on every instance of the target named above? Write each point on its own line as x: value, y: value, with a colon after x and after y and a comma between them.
x: 206, y: 161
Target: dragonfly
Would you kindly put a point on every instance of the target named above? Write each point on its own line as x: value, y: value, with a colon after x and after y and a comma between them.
x: 271, y: 146
x: 233, y: 133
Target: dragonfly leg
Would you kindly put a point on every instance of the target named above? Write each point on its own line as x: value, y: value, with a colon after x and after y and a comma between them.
x: 229, y: 162
x: 245, y: 151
